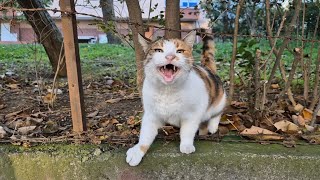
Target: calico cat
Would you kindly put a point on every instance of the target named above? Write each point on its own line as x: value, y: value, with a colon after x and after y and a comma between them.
x: 178, y: 92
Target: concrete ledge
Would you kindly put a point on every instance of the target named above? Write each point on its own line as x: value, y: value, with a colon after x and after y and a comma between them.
x: 212, y: 160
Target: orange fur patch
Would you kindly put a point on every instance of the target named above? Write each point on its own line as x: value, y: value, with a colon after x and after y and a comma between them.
x: 144, y: 148
x: 187, y: 51
x: 207, y: 57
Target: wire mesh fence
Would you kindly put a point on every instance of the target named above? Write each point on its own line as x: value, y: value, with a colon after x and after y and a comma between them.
x: 281, y: 58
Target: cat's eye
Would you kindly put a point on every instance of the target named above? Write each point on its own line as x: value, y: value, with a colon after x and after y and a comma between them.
x: 180, y: 51
x: 158, y: 50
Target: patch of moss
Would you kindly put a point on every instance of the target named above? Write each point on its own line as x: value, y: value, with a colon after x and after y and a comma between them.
x: 211, y: 160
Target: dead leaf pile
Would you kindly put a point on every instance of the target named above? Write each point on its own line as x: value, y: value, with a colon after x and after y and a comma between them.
x: 260, y: 134
x: 23, y: 124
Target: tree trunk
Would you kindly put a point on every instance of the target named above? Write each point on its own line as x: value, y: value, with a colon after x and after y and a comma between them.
x: 136, y: 25
x: 234, y: 50
x: 172, y: 21
x: 108, y: 19
x: 47, y: 33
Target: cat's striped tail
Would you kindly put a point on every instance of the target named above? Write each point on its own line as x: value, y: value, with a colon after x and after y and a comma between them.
x: 208, y: 51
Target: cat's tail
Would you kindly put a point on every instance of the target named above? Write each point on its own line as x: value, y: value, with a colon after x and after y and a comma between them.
x: 208, y: 51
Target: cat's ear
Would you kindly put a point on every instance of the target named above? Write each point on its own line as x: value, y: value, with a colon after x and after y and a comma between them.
x: 190, y: 38
x: 145, y: 42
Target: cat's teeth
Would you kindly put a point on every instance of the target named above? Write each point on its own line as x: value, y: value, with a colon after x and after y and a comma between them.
x: 164, y: 67
x: 174, y: 68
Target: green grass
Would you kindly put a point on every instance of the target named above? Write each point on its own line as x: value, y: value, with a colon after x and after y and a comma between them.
x: 118, y: 61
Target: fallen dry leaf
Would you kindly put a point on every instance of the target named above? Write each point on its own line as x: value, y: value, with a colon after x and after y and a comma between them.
x: 289, y: 143
x: 2, y: 132
x: 223, y: 130
x: 225, y: 119
x: 114, y: 121
x: 135, y: 132
x: 93, y: 114
x: 260, y: 134
x: 169, y: 130
x: 238, y: 122
x: 104, y: 123
x: 122, y: 92
x: 50, y: 127
x: 38, y: 115
x: 131, y: 96
x: 267, y: 123
x: 307, y: 114
x: 287, y: 127
x: 239, y: 104
x: 13, y: 86
x: 16, y: 124
x: 13, y: 114
x: 25, y: 130
x: 275, y: 86
x: 314, y: 139
x: 309, y: 128
x: 298, y: 108
x: 131, y: 120
x: 2, y: 106
x: 49, y: 98
x: 36, y: 120
x: 299, y: 120
x: 111, y: 101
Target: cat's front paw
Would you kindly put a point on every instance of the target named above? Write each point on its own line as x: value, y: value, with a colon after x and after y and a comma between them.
x: 187, y: 148
x: 134, y: 155
x: 213, y: 129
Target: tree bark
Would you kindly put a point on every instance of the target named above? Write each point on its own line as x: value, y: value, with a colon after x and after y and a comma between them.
x: 47, y: 33
x: 136, y: 25
x: 172, y: 21
x: 108, y: 19
x: 234, y: 50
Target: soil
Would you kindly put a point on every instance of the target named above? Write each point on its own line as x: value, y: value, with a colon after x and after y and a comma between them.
x: 104, y: 100
x: 30, y: 113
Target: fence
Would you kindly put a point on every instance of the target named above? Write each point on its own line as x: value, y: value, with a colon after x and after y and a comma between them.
x: 257, y: 62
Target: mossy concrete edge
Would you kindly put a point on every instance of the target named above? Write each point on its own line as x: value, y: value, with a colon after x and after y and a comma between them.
x: 212, y: 160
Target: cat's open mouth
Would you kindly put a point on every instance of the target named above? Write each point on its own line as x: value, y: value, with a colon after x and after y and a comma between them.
x: 168, y: 72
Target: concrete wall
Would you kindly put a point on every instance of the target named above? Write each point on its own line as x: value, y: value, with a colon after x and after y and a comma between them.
x: 212, y: 160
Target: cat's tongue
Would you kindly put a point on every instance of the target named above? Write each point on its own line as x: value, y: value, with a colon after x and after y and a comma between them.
x: 168, y: 75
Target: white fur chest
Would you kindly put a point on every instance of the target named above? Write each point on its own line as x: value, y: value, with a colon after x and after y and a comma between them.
x: 172, y: 104
x: 166, y: 105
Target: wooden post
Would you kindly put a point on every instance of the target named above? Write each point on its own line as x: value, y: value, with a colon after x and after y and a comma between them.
x: 71, y: 49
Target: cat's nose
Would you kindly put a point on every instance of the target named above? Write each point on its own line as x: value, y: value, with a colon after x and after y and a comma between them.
x: 170, y: 57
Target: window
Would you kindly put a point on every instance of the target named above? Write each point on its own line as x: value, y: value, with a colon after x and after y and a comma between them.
x: 188, y: 3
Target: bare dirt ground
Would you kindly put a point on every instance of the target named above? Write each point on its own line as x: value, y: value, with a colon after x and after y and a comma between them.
x: 26, y: 113
x: 29, y: 113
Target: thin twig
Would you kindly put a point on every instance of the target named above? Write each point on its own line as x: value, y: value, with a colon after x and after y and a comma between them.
x: 297, y: 56
x: 315, y: 113
x: 306, y: 65
x: 317, y: 70
x: 285, y: 42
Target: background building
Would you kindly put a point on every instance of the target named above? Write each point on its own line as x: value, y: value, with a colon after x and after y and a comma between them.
x: 19, y: 31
